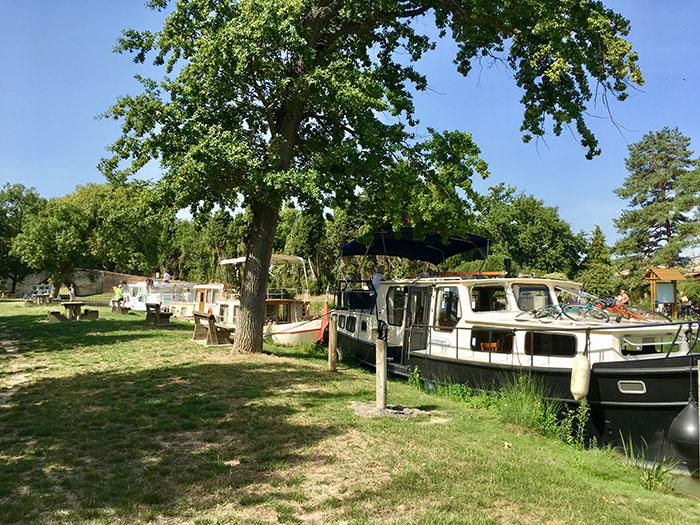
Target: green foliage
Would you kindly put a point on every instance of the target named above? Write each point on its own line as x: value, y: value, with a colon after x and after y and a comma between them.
x: 655, y: 476
x: 598, y: 275
x: 55, y: 240
x: 598, y: 251
x: 663, y: 192
x: 691, y: 289
x: 532, y: 235
x: 520, y: 400
x: 17, y: 204
x: 126, y: 225
x: 200, y: 245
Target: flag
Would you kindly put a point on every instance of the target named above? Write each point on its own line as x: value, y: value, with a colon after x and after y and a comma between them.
x: 324, y: 319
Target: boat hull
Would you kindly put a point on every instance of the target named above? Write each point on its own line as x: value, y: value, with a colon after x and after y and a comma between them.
x: 638, y: 399
x: 302, y: 332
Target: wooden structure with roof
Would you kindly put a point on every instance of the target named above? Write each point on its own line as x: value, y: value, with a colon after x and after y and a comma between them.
x: 663, y: 286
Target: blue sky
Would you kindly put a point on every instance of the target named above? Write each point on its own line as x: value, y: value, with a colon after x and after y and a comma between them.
x: 59, y: 73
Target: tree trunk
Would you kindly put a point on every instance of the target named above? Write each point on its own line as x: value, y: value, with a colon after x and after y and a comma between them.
x: 251, y: 317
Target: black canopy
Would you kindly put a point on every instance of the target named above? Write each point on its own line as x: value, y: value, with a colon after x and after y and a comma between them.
x: 431, y: 248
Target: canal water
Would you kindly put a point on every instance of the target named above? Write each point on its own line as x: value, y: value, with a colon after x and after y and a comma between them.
x: 687, y: 485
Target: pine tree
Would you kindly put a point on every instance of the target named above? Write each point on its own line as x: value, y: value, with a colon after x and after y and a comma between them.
x: 597, y: 275
x: 663, y: 190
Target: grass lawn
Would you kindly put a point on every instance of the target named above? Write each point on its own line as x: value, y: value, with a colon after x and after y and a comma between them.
x: 115, y: 421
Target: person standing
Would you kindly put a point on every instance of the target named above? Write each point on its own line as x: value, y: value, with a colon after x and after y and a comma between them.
x: 166, y: 277
x: 118, y: 295
x: 378, y: 277
x: 71, y: 292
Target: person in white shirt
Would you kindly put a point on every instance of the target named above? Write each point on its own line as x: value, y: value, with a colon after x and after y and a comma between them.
x: 378, y: 277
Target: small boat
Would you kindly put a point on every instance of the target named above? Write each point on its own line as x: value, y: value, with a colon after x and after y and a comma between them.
x: 639, y: 376
x: 165, y: 294
x: 287, y: 319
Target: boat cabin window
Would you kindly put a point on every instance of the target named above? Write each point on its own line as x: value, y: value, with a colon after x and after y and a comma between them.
x: 235, y: 314
x: 341, y: 321
x: 637, y: 345
x: 448, y: 311
x: 553, y: 345
x: 418, y: 309
x: 211, y: 296
x: 395, y: 304
x: 489, y: 299
x: 283, y: 313
x: 531, y: 297
x: 489, y: 340
x: 223, y: 313
x: 363, y: 325
x: 270, y: 312
x: 350, y: 325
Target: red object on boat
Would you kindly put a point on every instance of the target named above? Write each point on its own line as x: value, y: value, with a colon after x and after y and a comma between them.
x: 324, y: 320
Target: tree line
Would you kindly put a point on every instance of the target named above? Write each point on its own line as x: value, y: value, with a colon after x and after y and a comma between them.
x: 122, y: 227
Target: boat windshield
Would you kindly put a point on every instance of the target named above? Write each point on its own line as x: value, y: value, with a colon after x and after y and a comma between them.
x: 532, y: 296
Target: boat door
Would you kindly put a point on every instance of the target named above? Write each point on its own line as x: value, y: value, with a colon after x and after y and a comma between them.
x: 416, y: 333
x: 201, y: 300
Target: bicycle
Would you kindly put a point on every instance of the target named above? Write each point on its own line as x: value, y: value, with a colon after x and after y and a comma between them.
x: 693, y: 312
x: 545, y: 314
x: 609, y: 306
x: 573, y: 311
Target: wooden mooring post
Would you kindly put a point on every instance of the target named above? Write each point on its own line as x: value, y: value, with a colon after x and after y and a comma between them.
x: 380, y: 360
x: 333, y: 345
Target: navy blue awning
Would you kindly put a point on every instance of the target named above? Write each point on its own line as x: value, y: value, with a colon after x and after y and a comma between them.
x: 431, y: 248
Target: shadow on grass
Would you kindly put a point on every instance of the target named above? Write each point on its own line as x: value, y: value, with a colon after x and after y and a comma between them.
x: 162, y: 441
x: 36, y: 335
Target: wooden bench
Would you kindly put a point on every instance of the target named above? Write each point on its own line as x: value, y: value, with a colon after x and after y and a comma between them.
x: 90, y: 315
x: 119, y: 309
x: 55, y: 316
x: 207, y: 332
x: 155, y: 316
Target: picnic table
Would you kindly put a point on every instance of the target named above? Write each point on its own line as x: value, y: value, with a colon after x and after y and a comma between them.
x: 73, y: 309
x: 4, y: 294
x: 42, y: 299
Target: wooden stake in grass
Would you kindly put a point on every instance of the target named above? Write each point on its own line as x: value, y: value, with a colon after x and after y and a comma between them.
x: 333, y: 345
x: 380, y: 359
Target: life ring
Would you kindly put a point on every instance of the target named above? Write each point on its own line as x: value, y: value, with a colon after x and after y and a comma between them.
x: 209, y: 311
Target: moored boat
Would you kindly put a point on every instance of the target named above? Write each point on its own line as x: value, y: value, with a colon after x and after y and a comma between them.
x: 478, y: 329
x: 139, y: 294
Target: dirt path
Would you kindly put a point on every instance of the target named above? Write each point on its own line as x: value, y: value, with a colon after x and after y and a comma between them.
x: 15, y: 376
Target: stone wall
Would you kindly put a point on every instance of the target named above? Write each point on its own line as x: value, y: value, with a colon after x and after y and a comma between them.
x: 87, y: 282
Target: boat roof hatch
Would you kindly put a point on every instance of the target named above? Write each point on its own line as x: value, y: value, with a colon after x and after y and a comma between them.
x: 431, y: 249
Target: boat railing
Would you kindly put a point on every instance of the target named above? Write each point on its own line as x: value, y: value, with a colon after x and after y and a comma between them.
x: 686, y: 333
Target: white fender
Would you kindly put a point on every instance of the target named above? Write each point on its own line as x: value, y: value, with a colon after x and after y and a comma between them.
x: 580, y: 377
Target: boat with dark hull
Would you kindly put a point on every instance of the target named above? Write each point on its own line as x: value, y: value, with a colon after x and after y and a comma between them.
x: 641, y: 374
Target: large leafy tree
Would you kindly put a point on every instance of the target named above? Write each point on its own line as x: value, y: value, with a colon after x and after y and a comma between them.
x: 529, y: 233
x: 125, y: 227
x: 312, y: 99
x: 56, y: 240
x: 663, y: 192
x: 17, y: 204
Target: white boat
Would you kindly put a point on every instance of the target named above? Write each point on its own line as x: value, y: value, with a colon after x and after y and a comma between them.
x: 287, y: 319
x: 638, y: 373
x: 138, y: 295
